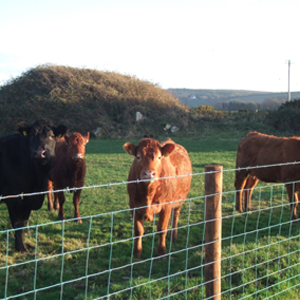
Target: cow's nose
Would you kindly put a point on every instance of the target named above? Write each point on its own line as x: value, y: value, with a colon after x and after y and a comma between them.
x: 41, y: 153
x: 149, y: 174
x: 78, y: 156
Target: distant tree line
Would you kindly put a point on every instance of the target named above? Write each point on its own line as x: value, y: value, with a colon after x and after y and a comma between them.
x: 268, y: 104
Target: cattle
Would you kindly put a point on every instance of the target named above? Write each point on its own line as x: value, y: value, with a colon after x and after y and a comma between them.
x: 258, y: 149
x: 150, y: 196
x: 26, y: 160
x: 68, y: 172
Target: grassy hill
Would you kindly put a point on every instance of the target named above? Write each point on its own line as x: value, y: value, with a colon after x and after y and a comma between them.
x: 86, y: 100
x: 106, y: 104
x: 194, y: 97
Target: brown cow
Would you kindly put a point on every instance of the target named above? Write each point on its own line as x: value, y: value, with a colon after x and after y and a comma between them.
x: 154, y: 160
x: 258, y: 149
x: 68, y: 172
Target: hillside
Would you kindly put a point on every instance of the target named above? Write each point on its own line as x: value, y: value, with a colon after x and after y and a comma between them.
x: 88, y: 100
x: 106, y: 104
x: 195, y: 97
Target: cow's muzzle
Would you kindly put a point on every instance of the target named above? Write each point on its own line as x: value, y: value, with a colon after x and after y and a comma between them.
x: 148, y: 174
x: 42, y: 155
x: 78, y: 157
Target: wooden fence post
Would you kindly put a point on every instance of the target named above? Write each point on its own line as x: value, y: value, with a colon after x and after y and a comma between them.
x: 213, y: 230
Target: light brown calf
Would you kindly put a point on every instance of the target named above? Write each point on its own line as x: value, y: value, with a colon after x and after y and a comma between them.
x: 153, y: 160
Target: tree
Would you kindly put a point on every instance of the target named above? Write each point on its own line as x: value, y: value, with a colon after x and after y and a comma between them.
x: 271, y: 104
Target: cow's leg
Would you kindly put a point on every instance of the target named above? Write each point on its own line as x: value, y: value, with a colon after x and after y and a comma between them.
x: 61, y: 199
x: 49, y: 195
x: 248, y: 190
x: 176, y: 213
x: 138, y: 231
x: 19, y: 218
x: 76, y: 198
x: 299, y: 203
x: 162, y: 228
x: 56, y: 202
x: 240, y: 180
x: 19, y: 235
x: 293, y: 198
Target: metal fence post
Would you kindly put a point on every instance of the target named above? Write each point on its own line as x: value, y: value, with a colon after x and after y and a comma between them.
x: 213, y: 230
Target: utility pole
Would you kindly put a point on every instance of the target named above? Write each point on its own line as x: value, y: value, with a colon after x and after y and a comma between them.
x: 289, y: 77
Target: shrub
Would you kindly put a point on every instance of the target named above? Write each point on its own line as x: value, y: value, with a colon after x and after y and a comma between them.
x: 285, y: 119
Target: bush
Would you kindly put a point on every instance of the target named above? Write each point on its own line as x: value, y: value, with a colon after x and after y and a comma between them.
x: 295, y: 104
x: 285, y: 119
x: 208, y: 111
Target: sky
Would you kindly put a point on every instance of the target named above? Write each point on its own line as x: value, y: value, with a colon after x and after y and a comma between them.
x: 195, y: 44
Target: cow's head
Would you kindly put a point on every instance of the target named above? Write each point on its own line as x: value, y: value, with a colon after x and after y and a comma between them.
x: 76, y: 143
x: 42, y: 138
x: 149, y: 154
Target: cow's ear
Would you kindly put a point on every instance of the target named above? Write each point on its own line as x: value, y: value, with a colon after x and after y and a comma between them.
x: 60, y: 130
x: 87, y: 137
x: 23, y: 128
x: 167, y: 149
x: 130, y: 148
x: 67, y: 138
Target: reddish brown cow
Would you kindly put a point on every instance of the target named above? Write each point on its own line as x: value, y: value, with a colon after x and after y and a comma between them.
x: 258, y: 149
x: 154, y: 160
x: 68, y: 172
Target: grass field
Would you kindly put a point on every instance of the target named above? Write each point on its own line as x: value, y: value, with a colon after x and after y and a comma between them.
x: 260, y: 251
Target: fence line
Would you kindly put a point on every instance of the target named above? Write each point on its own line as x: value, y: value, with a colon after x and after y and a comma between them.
x: 68, y: 189
x: 261, y: 236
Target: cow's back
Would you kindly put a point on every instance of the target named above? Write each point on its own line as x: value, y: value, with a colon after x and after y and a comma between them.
x: 258, y: 149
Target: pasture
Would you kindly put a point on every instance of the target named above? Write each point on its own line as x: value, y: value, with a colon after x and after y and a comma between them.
x: 66, y: 260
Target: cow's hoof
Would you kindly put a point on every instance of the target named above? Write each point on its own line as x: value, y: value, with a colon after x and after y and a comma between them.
x: 161, y: 251
x: 22, y: 249
x: 137, y: 254
x: 78, y: 221
x: 174, y: 237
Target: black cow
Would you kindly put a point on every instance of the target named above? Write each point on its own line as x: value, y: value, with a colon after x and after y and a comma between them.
x: 26, y: 161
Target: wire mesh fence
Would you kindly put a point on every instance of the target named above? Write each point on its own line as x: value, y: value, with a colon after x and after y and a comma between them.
x: 94, y: 260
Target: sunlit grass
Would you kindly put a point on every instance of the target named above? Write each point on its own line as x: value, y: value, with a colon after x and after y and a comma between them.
x: 260, y: 250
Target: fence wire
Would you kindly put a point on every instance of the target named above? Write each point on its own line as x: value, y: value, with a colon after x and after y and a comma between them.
x: 94, y: 260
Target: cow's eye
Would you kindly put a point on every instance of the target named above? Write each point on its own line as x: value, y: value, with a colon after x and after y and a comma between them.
x: 138, y: 157
x: 159, y: 157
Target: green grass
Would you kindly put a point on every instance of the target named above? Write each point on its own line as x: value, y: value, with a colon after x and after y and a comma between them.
x: 260, y: 251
